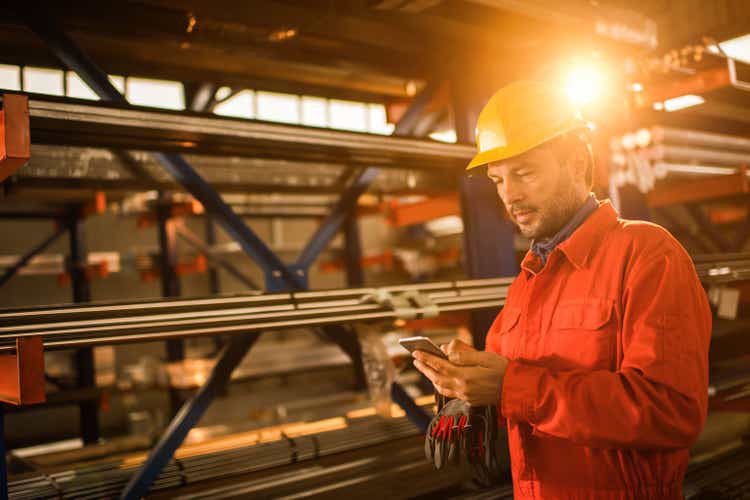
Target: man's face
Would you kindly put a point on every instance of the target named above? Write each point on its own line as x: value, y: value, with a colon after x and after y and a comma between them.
x: 539, y: 194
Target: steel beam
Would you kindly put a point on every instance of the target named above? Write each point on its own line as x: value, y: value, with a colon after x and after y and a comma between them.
x: 170, y: 281
x: 488, y: 235
x: 24, y: 259
x: 414, y: 413
x: 704, y: 223
x: 743, y: 233
x: 421, y: 102
x: 15, y: 142
x: 188, y: 416
x: 362, y: 179
x: 205, y: 248
x: 683, y: 230
x: 84, y: 358
x: 3, y: 461
x: 353, y: 252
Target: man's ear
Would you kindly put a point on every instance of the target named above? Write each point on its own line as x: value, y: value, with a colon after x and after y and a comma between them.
x: 579, y: 163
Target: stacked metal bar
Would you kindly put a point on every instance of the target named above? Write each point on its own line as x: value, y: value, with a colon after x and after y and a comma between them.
x: 225, y: 458
x: 721, y: 268
x: 96, y: 324
x: 721, y: 478
x: 63, y: 122
x: 644, y: 156
x: 118, y: 322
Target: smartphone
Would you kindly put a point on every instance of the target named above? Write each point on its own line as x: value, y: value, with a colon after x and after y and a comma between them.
x: 412, y: 344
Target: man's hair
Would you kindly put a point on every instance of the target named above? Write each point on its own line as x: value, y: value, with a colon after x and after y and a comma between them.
x: 566, y: 145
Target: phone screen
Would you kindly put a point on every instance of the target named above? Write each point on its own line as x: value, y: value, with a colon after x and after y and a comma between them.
x: 422, y: 344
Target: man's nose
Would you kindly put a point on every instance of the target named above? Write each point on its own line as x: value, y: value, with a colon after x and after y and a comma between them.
x: 509, y: 192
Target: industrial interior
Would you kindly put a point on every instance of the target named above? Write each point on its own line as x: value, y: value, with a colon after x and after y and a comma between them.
x: 219, y: 217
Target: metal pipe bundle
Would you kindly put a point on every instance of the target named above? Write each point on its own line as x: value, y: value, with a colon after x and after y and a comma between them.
x: 725, y: 476
x: 97, y: 324
x: 718, y: 268
x: 231, y: 459
x: 672, y: 135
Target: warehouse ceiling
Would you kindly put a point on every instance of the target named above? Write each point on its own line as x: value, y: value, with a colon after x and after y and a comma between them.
x: 374, y: 49
x: 390, y: 51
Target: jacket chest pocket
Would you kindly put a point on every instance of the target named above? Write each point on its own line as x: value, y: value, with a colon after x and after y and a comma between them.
x: 583, y: 335
x: 509, y: 332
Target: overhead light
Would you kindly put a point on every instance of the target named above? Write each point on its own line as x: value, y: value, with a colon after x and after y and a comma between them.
x: 659, y: 106
x: 584, y: 84
x: 736, y: 48
x: 282, y: 34
x: 636, y: 87
x: 682, y: 102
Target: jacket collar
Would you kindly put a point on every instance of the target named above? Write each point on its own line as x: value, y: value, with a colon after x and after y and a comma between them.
x: 585, y: 239
x: 579, y: 246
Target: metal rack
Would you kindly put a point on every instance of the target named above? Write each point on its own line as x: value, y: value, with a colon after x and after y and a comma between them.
x: 92, y: 324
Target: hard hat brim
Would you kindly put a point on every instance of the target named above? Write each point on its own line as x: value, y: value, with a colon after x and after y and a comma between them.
x: 498, y: 154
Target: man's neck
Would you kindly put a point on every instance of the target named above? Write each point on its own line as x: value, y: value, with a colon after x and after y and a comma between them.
x: 543, y: 248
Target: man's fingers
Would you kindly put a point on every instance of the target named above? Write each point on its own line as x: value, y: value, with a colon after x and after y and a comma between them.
x: 442, y: 384
x: 455, y: 345
x: 469, y: 358
x: 436, y: 363
x: 478, y: 358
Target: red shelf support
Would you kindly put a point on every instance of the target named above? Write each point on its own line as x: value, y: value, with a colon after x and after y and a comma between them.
x: 22, y: 373
x: 15, y: 135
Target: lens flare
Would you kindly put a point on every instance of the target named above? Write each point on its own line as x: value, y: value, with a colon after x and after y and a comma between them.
x: 584, y: 84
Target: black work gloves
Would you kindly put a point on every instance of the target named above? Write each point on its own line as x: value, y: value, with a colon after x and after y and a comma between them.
x: 462, y: 433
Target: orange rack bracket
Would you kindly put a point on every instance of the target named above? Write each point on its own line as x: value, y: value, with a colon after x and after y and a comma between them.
x: 15, y: 135
x: 22, y: 373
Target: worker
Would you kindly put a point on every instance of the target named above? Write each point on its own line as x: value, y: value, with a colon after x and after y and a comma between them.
x: 598, y: 361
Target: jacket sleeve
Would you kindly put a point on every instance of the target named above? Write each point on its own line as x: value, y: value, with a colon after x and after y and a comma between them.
x: 658, y: 397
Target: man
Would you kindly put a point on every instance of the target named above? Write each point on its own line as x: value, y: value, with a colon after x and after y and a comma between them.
x: 598, y: 361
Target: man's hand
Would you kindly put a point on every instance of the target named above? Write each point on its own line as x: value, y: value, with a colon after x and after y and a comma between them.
x: 472, y: 376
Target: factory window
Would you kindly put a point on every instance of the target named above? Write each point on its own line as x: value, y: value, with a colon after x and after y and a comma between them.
x: 378, y: 122
x: 444, y: 136
x: 278, y: 107
x: 118, y: 82
x: 156, y: 93
x: 10, y: 77
x: 43, y: 80
x: 239, y: 105
x: 348, y: 115
x: 78, y: 88
x: 314, y: 111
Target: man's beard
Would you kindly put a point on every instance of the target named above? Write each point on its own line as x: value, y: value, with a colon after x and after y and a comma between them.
x: 558, y: 211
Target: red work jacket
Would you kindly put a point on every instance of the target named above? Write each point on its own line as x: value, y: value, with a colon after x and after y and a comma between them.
x: 607, y: 386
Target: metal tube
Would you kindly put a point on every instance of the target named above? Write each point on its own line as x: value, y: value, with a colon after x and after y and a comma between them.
x: 668, y: 135
x: 670, y: 152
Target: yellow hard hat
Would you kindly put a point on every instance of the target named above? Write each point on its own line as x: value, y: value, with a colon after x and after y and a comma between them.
x: 520, y: 117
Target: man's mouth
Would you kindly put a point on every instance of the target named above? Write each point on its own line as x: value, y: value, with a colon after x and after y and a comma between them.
x: 522, y: 215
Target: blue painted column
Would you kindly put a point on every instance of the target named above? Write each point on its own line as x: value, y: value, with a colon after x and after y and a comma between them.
x: 488, y: 236
x: 84, y: 358
x: 3, y: 463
